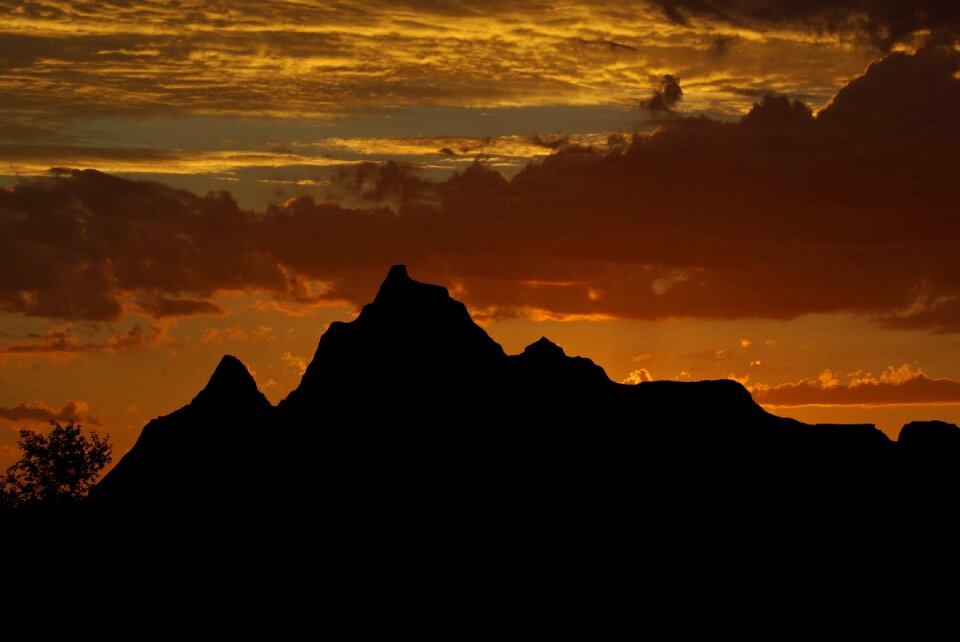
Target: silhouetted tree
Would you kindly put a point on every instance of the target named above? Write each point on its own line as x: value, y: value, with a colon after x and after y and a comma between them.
x: 58, y: 468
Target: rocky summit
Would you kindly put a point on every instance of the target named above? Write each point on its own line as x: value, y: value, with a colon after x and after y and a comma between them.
x: 411, y: 413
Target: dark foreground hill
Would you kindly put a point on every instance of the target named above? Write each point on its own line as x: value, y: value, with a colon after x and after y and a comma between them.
x: 412, y: 414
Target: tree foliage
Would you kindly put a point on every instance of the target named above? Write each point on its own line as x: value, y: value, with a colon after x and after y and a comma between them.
x: 60, y: 467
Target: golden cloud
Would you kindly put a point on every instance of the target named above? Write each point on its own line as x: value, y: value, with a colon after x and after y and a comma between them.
x: 314, y: 59
x: 894, y: 386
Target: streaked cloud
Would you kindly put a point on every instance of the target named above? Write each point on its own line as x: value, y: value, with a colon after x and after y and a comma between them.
x: 64, y: 341
x: 324, y: 60
x: 882, y: 22
x: 32, y: 160
x: 516, y: 148
x: 893, y: 386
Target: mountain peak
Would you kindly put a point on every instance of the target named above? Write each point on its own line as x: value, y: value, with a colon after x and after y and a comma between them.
x: 544, y: 347
x: 931, y: 435
x: 397, y: 274
x: 411, y: 327
x: 550, y: 367
x: 399, y: 292
x: 397, y: 284
x: 230, y: 379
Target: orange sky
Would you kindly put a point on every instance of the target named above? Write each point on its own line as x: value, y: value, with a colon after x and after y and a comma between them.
x: 676, y: 190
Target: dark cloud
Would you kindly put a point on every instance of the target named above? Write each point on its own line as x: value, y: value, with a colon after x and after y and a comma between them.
x: 613, y: 47
x: 42, y: 413
x: 720, y: 45
x: 555, y: 142
x: 902, y: 96
x: 74, y: 245
x: 667, y: 96
x: 389, y: 183
x: 781, y: 214
x: 882, y: 22
x: 778, y: 111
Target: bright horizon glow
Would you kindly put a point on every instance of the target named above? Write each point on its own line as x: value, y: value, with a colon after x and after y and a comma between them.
x: 258, y: 169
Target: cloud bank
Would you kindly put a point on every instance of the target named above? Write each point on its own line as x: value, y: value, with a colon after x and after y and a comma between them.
x: 783, y: 213
x: 894, y: 386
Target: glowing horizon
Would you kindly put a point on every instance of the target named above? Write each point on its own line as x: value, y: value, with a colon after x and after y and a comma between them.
x: 674, y: 191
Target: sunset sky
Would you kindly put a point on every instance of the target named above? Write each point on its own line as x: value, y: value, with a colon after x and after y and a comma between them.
x: 686, y: 190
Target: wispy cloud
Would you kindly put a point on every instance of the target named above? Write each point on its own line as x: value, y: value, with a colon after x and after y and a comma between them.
x: 37, y: 160
x: 63, y: 341
x: 893, y: 386
x: 39, y: 412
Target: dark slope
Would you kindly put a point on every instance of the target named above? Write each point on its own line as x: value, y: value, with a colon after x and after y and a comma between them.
x: 930, y: 437
x: 929, y: 458
x: 544, y: 368
x: 411, y: 414
x: 412, y: 346
x: 203, y: 455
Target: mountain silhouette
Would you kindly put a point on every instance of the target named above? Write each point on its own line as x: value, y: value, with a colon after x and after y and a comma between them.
x: 412, y: 414
x: 199, y: 455
x: 413, y: 343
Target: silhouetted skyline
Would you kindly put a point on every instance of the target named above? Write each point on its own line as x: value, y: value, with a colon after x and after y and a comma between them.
x: 463, y: 422
x: 682, y: 191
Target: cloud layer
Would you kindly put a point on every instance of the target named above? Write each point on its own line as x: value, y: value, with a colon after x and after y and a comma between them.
x: 781, y: 214
x: 64, y: 342
x: 894, y: 386
x: 78, y: 59
x: 883, y: 22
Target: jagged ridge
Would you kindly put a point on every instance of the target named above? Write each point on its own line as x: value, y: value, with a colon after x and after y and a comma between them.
x: 414, y: 402
x: 200, y: 453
